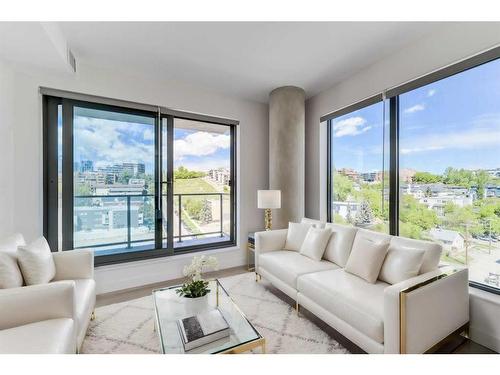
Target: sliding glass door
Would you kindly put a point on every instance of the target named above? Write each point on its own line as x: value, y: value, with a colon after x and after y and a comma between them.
x: 133, y: 184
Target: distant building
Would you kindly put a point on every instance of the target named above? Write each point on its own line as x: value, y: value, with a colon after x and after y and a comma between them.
x: 86, y: 166
x: 351, y: 173
x: 119, y: 189
x: 450, y: 238
x: 108, y: 217
x: 347, y: 210
x: 371, y: 176
x: 220, y: 175
x: 406, y: 175
x: 134, y: 168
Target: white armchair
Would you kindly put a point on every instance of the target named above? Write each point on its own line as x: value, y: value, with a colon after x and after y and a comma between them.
x: 53, y: 317
x: 38, y: 319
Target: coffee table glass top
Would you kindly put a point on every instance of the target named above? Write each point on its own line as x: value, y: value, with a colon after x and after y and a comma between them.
x: 169, y: 307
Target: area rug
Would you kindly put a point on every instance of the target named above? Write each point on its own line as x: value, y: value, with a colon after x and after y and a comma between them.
x: 128, y: 327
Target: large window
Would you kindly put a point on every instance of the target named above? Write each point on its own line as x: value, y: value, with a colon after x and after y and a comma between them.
x: 134, y: 183
x: 443, y: 133
x: 358, y: 178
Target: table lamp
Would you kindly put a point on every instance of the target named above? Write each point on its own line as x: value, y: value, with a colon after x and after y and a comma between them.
x: 268, y: 199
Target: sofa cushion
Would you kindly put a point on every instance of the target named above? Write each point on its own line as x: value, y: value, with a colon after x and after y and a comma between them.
x: 53, y: 336
x: 350, y: 298
x: 295, y: 236
x: 401, y: 264
x: 432, y: 251
x: 366, y: 258
x: 315, y: 242
x: 315, y: 223
x: 288, y: 265
x: 36, y: 263
x: 340, y: 244
x: 10, y: 275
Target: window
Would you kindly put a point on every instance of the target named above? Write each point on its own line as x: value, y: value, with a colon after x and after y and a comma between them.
x: 132, y: 183
x: 441, y: 179
x: 358, y: 177
x: 449, y: 168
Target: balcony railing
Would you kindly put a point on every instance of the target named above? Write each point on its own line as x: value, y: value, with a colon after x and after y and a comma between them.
x: 132, y: 211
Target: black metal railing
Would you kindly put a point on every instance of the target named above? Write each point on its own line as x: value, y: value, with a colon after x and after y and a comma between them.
x: 127, y: 199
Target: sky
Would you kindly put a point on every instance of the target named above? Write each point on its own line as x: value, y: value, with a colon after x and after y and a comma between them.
x: 453, y: 122
x: 108, y: 141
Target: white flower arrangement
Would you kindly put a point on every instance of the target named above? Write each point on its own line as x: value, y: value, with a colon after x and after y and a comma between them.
x: 195, y: 285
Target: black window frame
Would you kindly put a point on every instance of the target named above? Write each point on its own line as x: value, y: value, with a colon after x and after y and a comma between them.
x: 50, y: 105
x: 391, y: 96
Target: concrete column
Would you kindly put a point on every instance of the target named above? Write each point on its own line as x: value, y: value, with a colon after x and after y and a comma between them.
x: 287, y: 152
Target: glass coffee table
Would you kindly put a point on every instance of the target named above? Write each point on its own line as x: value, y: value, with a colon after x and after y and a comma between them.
x: 169, y: 307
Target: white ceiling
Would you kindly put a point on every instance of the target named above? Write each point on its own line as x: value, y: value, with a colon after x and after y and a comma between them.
x: 246, y: 60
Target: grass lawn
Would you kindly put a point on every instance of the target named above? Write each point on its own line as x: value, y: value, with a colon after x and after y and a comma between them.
x: 193, y: 185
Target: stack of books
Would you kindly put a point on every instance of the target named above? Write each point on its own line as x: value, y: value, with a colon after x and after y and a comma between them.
x: 202, y: 329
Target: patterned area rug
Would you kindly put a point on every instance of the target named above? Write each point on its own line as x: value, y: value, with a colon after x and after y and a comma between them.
x: 127, y: 327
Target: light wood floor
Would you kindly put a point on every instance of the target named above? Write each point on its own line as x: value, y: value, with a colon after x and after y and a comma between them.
x: 457, y: 345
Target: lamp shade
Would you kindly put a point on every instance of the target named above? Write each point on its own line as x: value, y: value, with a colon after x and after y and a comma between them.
x: 269, y: 198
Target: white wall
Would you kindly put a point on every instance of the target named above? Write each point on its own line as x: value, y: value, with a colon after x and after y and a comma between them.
x: 452, y: 43
x: 6, y: 150
x: 27, y: 175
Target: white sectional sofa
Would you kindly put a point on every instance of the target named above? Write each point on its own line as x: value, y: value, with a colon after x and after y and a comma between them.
x: 52, y: 317
x: 410, y: 316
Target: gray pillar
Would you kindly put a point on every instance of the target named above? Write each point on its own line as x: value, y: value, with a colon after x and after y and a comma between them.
x: 287, y: 152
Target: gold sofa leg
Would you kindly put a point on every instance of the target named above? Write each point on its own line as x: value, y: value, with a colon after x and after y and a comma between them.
x: 92, y: 316
x: 297, y: 308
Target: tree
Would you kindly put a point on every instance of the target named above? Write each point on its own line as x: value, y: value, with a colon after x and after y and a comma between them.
x: 481, y: 179
x: 426, y: 178
x: 414, y: 213
x: 183, y: 173
x: 365, y: 215
x: 83, y: 189
x: 343, y: 187
x: 206, y: 212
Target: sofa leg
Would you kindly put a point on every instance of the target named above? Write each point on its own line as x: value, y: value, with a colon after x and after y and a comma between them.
x: 297, y: 308
x: 257, y: 277
x: 92, y: 316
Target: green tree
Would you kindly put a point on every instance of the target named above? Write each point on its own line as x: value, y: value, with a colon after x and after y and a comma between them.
x: 481, y: 179
x: 415, y: 213
x: 206, y: 212
x: 83, y: 189
x: 364, y: 216
x: 426, y: 178
x: 343, y: 187
x: 184, y: 173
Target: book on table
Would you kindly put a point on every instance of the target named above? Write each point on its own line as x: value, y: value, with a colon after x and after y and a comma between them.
x: 202, y: 329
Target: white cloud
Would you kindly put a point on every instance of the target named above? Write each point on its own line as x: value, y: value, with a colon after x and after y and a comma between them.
x: 200, y: 144
x: 476, y: 136
x: 350, y: 126
x: 148, y: 135
x: 415, y: 108
x: 431, y: 92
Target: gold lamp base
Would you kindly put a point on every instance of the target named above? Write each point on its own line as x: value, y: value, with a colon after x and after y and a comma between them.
x: 268, y: 217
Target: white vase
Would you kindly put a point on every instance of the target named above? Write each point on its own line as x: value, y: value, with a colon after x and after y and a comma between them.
x: 196, y: 305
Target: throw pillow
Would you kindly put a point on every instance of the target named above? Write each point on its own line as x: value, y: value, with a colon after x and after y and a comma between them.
x: 401, y: 264
x: 315, y: 223
x: 10, y: 274
x: 296, y: 235
x: 36, y: 263
x: 366, y: 258
x: 314, y: 244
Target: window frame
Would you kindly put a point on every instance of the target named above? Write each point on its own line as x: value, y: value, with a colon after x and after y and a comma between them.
x: 51, y: 99
x: 391, y: 96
